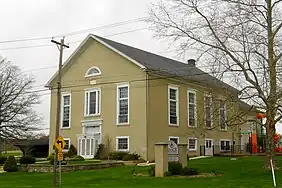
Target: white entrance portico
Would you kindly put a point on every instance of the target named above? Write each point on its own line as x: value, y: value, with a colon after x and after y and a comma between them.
x: 90, y: 138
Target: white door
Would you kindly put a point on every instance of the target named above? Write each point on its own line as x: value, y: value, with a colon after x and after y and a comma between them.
x: 86, y: 146
x: 208, y: 147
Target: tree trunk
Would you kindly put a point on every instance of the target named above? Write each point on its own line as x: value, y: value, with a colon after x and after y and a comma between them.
x: 270, y: 146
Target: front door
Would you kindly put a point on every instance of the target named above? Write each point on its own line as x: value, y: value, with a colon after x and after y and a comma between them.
x: 86, y: 146
x: 208, y: 147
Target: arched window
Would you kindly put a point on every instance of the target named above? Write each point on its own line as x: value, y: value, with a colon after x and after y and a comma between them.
x: 93, y: 71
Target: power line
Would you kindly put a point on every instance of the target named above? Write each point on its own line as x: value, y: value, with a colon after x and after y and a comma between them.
x: 188, y: 68
x: 115, y: 24
x: 126, y: 80
x: 48, y: 45
x: 79, y: 31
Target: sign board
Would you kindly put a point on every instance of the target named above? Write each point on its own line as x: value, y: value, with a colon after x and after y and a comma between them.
x: 172, y: 151
x: 60, y: 156
x: 60, y: 143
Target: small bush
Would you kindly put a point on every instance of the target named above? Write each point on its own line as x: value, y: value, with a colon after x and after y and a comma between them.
x: 72, y: 151
x: 130, y: 157
x: 99, y: 152
x: 27, y: 160
x: 3, y: 159
x: 10, y: 164
x: 167, y: 173
x: 151, y: 170
x: 175, y: 168
x: 189, y: 171
x: 77, y: 158
x: 117, y: 155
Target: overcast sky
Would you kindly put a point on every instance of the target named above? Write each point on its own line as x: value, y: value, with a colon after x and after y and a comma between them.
x: 47, y: 18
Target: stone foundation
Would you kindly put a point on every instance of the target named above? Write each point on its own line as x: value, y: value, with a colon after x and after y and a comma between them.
x: 69, y: 168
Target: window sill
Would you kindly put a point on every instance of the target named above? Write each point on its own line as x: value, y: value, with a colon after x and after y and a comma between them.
x: 94, y: 115
x: 65, y: 128
x: 123, y: 150
x: 173, y: 125
x: 123, y: 124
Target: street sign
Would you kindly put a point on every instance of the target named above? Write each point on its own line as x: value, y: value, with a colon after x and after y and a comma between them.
x: 60, y: 143
x: 60, y: 156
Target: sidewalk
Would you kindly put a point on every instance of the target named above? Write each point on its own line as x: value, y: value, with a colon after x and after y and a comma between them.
x: 199, y: 157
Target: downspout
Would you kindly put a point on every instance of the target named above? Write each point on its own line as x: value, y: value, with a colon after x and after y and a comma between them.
x: 147, y: 113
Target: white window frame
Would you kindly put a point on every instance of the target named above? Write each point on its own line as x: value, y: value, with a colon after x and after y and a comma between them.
x: 195, y: 107
x: 225, y: 115
x: 65, y: 150
x: 177, y: 104
x: 230, y: 143
x: 62, y: 110
x: 211, y: 108
x: 122, y: 137
x: 174, y: 137
x: 196, y: 143
x: 91, y: 75
x: 118, y: 103
x: 87, y: 104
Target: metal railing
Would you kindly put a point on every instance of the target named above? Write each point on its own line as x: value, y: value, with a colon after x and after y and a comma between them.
x: 230, y: 150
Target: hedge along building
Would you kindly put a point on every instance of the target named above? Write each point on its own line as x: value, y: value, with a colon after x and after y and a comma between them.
x: 128, y: 99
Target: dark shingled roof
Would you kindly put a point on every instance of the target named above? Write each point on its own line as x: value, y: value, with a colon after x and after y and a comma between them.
x: 168, y: 67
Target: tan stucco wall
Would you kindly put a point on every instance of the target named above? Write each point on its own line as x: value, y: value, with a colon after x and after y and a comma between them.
x: 159, y: 130
x: 115, y: 69
x: 148, y: 124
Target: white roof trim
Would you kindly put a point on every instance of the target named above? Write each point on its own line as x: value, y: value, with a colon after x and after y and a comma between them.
x: 100, y: 41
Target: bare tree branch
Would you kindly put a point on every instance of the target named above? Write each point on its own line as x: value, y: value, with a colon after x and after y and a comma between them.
x: 17, y: 116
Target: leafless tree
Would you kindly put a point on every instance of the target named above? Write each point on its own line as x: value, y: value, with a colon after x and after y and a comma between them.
x: 17, y: 115
x: 242, y: 38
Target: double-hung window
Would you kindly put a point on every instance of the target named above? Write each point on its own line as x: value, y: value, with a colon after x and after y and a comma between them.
x: 173, y: 105
x: 122, y: 143
x: 208, y: 111
x: 67, y: 145
x: 192, y: 109
x: 92, y: 102
x: 222, y: 115
x: 192, y: 144
x: 225, y: 145
x: 66, y: 110
x: 123, y: 104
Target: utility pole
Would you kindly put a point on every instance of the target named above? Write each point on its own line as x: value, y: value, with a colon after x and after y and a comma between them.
x: 61, y: 45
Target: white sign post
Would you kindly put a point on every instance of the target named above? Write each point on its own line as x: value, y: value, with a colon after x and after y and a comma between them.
x: 273, y: 174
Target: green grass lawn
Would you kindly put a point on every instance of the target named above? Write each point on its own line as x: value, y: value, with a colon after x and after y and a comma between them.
x: 244, y: 172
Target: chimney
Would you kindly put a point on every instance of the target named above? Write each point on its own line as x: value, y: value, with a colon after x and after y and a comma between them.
x: 192, y: 62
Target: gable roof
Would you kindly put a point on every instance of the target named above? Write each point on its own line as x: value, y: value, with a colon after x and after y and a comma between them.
x: 157, y: 64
